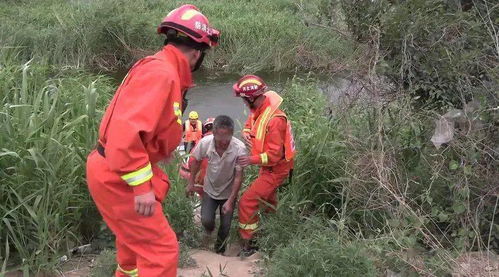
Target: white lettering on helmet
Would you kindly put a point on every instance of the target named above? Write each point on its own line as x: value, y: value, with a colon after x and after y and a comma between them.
x: 203, y: 27
x: 197, y: 25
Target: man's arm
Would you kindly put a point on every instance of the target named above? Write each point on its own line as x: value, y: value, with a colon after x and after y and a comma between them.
x: 197, y: 155
x: 236, y: 185
x: 194, y: 166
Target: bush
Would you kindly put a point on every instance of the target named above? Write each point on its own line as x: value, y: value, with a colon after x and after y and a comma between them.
x: 372, y: 169
x: 320, y: 160
x: 437, y: 51
x: 320, y: 254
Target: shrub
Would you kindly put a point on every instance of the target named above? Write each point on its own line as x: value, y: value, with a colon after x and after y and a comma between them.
x: 320, y: 254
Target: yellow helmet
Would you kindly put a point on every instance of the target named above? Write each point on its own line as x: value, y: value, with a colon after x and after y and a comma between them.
x: 193, y: 115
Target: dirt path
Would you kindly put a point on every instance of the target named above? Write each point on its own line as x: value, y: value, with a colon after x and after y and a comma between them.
x: 211, y: 264
x: 207, y: 264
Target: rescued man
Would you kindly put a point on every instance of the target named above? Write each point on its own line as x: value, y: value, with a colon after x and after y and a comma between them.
x: 223, y: 177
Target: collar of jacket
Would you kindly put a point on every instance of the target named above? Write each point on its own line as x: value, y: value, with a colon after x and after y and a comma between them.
x: 180, y: 63
x: 259, y: 110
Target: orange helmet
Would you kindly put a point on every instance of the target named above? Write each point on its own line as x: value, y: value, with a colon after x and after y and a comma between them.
x: 189, y: 21
x: 249, y: 86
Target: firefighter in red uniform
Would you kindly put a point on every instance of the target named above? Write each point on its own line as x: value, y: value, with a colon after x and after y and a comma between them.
x: 267, y: 133
x: 193, y: 131
x: 142, y: 126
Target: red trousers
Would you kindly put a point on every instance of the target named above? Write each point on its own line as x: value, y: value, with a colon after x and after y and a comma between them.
x: 261, y: 193
x: 146, y: 246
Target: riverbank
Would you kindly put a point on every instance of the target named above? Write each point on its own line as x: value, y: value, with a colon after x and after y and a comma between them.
x: 400, y: 179
x: 108, y: 34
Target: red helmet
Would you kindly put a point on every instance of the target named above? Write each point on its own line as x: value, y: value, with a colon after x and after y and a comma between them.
x: 250, y: 86
x: 188, y: 20
x: 209, y: 121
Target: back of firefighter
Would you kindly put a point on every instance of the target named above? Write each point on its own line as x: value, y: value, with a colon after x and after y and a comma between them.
x: 141, y: 127
x: 267, y: 133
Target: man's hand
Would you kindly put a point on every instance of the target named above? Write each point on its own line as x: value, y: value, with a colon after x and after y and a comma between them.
x: 247, y: 139
x: 144, y: 203
x: 189, y: 190
x: 243, y: 161
x: 228, y: 207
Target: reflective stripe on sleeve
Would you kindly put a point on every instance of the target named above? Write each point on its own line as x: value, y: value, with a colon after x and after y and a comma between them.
x: 265, y: 158
x: 139, y: 176
x: 178, y: 112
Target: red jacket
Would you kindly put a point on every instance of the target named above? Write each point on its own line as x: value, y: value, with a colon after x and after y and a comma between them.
x: 143, y: 123
x: 277, y: 143
x: 193, y: 133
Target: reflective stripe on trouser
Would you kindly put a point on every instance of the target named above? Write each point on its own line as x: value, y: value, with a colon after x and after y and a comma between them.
x: 132, y: 273
x: 127, y: 260
x: 261, y: 193
x: 146, y: 243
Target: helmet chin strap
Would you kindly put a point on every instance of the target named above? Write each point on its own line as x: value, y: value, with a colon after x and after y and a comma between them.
x: 251, y: 102
x: 185, y: 102
x: 199, y: 61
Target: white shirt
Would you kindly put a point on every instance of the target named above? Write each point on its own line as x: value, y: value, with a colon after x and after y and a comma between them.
x: 221, y: 170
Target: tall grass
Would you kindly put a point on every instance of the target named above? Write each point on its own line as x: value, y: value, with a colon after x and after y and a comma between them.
x: 49, y: 122
x: 105, y: 34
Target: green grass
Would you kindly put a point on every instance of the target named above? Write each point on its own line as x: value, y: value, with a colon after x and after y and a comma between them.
x: 368, y: 188
x: 371, y: 173
x: 49, y: 122
x: 49, y: 119
x: 106, y: 34
x: 320, y: 254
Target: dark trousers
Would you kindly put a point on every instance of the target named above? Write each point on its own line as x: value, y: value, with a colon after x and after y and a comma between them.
x: 209, y: 207
x: 188, y: 146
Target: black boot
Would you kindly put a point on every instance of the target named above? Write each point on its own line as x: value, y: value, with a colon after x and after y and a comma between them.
x: 249, y: 248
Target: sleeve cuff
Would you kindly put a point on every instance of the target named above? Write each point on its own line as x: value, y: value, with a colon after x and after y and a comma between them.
x: 255, y: 159
x: 142, y: 188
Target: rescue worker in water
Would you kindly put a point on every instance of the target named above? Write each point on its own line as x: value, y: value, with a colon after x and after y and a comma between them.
x: 142, y: 126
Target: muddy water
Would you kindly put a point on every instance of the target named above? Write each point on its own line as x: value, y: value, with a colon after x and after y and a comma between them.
x: 212, y: 94
x: 213, y: 99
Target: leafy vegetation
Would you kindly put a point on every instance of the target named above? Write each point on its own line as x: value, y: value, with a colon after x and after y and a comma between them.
x: 107, y: 34
x: 370, y: 191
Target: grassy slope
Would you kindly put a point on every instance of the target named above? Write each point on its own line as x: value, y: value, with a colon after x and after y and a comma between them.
x: 257, y: 35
